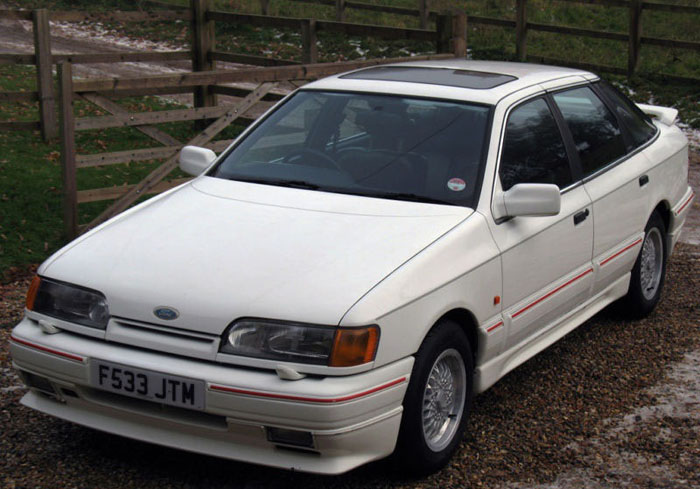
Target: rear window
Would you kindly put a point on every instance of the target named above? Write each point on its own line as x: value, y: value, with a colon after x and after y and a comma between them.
x: 595, y: 129
x: 640, y: 127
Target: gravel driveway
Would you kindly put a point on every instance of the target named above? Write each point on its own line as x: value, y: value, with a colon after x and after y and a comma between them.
x: 614, y: 404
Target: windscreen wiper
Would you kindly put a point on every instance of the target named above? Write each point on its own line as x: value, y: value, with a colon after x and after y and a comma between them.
x: 279, y: 182
x: 408, y: 196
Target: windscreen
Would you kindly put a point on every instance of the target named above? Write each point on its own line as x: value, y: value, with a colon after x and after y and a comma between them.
x: 365, y: 144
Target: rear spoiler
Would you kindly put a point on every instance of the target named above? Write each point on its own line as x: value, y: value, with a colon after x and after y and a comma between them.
x: 667, y: 115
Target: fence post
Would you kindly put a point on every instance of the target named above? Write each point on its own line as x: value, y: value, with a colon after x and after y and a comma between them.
x: 424, y: 11
x: 635, y: 36
x: 70, y: 192
x: 459, y: 34
x: 443, y: 24
x: 521, y: 30
x: 340, y: 10
x: 308, y: 41
x: 202, y: 43
x: 44, y: 74
x: 452, y: 33
x: 265, y: 7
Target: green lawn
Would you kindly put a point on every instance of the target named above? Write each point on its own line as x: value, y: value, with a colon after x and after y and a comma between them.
x: 30, y: 171
x: 30, y: 177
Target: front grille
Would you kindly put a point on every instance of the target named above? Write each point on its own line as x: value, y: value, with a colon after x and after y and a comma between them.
x: 163, y: 339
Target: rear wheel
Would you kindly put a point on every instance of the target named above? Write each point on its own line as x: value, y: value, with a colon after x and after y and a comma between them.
x: 649, y: 271
x: 437, y: 401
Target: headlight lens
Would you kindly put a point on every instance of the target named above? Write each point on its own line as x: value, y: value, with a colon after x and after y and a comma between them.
x: 302, y: 343
x: 69, y: 303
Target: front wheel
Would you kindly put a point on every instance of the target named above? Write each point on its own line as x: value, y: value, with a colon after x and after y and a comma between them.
x: 649, y: 270
x: 437, y: 401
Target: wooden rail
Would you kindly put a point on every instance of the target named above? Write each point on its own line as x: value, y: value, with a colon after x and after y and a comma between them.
x: 256, y: 75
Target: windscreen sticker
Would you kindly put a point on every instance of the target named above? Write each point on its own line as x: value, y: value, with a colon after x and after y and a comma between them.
x: 456, y: 184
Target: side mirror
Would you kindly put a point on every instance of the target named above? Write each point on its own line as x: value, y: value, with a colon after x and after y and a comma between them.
x: 530, y: 199
x: 194, y: 160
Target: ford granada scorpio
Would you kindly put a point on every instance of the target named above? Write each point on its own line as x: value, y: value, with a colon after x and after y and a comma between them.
x: 375, y: 250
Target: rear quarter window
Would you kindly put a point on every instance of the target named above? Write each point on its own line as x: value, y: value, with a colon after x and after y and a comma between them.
x: 594, y: 128
x: 640, y: 127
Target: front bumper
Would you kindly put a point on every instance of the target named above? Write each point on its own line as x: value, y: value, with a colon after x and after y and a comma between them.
x: 352, y: 419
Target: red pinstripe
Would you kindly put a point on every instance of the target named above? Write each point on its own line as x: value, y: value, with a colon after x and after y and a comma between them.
x: 620, y: 252
x: 550, y: 294
x: 70, y: 356
x: 322, y: 400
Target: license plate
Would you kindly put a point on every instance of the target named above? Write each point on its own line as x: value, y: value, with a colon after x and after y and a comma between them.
x: 147, y: 384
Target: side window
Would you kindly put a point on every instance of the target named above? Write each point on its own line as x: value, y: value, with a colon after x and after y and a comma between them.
x: 594, y: 128
x: 641, y: 129
x: 533, y: 150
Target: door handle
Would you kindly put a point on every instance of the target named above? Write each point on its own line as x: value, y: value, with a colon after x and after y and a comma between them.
x: 579, y: 217
x: 643, y: 180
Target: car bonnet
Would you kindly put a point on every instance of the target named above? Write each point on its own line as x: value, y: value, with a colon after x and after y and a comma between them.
x: 218, y: 250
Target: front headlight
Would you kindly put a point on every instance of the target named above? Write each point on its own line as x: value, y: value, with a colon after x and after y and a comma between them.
x: 302, y: 343
x: 68, y: 303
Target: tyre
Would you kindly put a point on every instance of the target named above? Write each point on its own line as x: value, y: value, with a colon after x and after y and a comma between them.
x: 648, y: 272
x: 437, y: 401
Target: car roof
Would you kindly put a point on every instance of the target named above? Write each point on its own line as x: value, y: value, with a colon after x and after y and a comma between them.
x: 456, y: 79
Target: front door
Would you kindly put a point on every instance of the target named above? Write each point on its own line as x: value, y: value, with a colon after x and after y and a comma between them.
x: 546, y: 260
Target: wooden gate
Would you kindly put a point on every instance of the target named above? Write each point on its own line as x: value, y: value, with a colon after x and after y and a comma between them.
x: 102, y: 92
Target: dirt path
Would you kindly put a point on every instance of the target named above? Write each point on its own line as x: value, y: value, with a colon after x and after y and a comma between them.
x: 73, y: 38
x: 93, y: 37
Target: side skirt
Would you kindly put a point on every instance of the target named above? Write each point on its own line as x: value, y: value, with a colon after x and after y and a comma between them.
x: 490, y: 372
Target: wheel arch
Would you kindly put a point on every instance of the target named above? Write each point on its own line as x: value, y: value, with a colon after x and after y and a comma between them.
x: 467, y: 321
x: 664, y: 210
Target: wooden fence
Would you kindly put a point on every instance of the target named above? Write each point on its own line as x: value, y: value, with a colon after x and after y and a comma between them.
x: 449, y: 37
x: 205, y: 82
x: 520, y: 24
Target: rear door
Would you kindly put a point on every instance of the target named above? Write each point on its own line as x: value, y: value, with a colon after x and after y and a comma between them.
x: 615, y: 176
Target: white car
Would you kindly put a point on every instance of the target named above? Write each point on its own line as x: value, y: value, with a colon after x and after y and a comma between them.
x: 377, y: 248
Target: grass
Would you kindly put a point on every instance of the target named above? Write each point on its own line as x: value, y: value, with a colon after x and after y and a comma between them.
x: 30, y: 170
x: 30, y: 175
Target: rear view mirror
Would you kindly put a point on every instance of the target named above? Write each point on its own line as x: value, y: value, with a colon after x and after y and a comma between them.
x: 531, y: 199
x: 194, y: 160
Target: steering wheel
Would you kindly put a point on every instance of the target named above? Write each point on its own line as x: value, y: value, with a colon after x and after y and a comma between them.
x: 320, y: 156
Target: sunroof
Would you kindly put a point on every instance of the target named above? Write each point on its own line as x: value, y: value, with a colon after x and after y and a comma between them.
x: 434, y: 76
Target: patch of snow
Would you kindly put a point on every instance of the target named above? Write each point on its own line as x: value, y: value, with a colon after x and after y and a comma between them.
x: 360, y: 51
x: 96, y: 31
x: 10, y: 377
x: 625, y: 89
x: 692, y: 134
